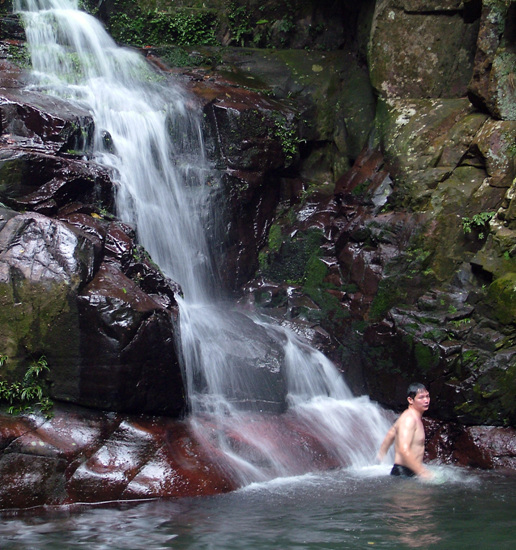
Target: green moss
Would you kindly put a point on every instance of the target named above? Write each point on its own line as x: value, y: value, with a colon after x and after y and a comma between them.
x: 390, y: 293
x: 501, y: 296
x: 275, y: 238
x: 296, y: 260
x: 469, y: 357
x: 361, y: 189
x: 381, y: 360
x: 35, y: 319
x: 288, y: 257
x: 426, y: 357
x: 180, y: 56
x: 436, y: 334
x: 359, y: 326
x: 19, y: 55
x: 483, y: 407
x: 315, y: 273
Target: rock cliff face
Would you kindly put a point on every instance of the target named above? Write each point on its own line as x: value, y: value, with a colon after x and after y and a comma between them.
x: 368, y: 183
x: 413, y: 269
x: 394, y: 231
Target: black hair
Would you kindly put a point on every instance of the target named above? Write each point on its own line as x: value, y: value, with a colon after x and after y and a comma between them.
x: 414, y: 388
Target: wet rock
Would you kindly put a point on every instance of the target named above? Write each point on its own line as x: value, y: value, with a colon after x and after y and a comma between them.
x: 106, y: 473
x: 44, y: 183
x: 86, y: 456
x: 81, y: 455
x: 43, y: 263
x: 182, y: 466
x: 12, y: 427
x: 494, y: 142
x: 41, y: 121
x: 129, y: 359
x: 248, y: 200
x: 110, y: 344
x: 424, y: 141
x: 28, y: 482
x: 255, y: 131
x: 247, y: 365
x: 485, y: 447
x: 11, y: 26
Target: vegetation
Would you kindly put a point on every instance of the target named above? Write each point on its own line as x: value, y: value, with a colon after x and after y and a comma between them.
x: 19, y: 55
x: 184, y: 27
x: 27, y: 393
x: 478, y: 223
x: 239, y: 23
x: 286, y: 132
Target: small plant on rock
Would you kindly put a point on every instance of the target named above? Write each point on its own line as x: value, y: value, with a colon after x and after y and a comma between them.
x: 479, y: 223
x: 29, y: 393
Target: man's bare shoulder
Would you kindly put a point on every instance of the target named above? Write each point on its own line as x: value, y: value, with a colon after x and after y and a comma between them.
x: 406, y: 419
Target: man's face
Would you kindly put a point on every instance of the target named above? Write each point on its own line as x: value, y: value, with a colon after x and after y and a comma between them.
x: 421, y: 401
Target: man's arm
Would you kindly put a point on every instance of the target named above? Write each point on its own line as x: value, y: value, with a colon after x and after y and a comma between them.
x: 387, y: 442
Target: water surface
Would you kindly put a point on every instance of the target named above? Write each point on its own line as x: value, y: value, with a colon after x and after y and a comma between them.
x: 363, y: 508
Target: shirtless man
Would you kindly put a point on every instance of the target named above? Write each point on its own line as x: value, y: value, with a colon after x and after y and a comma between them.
x: 408, y: 436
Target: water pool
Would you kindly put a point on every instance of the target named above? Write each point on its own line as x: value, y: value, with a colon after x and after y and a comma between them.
x: 342, y: 509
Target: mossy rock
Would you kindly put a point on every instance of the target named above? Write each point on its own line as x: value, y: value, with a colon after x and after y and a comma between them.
x: 288, y: 259
x: 411, y: 55
x: 502, y: 297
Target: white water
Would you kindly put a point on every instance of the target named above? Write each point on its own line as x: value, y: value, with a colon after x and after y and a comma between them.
x: 159, y: 163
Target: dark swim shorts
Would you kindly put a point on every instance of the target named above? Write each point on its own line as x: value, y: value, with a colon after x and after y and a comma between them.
x: 402, y: 471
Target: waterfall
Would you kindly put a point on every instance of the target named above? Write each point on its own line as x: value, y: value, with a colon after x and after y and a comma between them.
x: 268, y: 403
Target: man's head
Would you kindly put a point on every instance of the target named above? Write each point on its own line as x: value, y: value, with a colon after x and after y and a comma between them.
x: 414, y: 388
x: 418, y: 398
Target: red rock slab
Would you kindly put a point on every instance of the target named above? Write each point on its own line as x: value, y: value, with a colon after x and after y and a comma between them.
x: 182, y: 466
x: 29, y: 481
x: 69, y: 434
x: 104, y: 476
x: 13, y: 427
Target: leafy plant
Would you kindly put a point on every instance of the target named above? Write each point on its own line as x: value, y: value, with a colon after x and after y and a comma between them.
x: 287, y: 135
x: 28, y: 393
x: 478, y: 222
x: 146, y: 28
x: 239, y: 23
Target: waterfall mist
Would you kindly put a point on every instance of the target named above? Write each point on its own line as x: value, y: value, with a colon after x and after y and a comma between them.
x: 266, y: 402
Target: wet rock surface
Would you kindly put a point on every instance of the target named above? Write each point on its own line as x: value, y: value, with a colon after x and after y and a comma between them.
x: 86, y: 456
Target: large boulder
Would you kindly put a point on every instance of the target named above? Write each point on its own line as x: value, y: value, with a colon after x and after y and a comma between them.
x: 492, y: 87
x: 109, y: 343
x: 81, y: 456
x: 43, y: 263
x: 422, y: 49
x: 86, y: 456
x: 43, y: 122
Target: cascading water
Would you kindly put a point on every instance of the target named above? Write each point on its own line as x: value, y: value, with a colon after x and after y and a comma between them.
x: 253, y: 387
